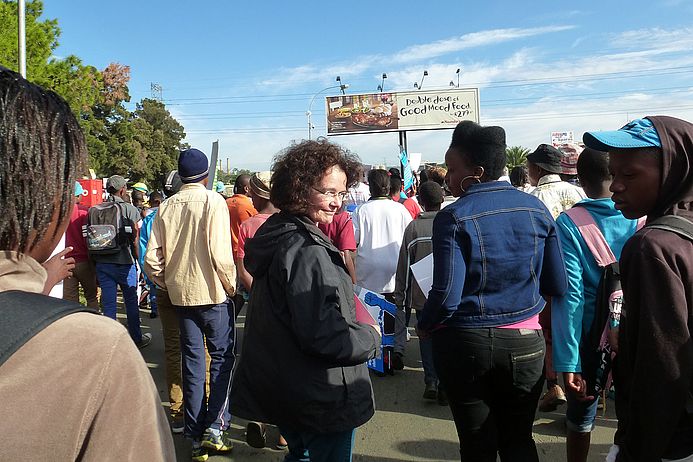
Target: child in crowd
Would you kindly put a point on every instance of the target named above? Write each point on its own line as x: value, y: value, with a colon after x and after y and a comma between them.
x: 651, y: 162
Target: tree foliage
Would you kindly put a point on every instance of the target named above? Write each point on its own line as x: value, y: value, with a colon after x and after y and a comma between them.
x: 516, y: 155
x: 142, y: 145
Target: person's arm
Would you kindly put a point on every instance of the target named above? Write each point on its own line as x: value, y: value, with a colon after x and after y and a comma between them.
x: 245, y: 277
x: 154, y: 261
x: 399, y: 295
x: 316, y: 315
x: 220, y: 244
x: 552, y: 281
x: 349, y: 263
x: 658, y: 352
x: 449, y: 273
x: 58, y: 268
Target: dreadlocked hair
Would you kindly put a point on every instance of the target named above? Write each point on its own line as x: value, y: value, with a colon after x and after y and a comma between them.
x: 41, y: 149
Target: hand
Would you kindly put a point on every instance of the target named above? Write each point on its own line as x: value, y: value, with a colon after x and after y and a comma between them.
x: 613, y: 339
x: 58, y: 268
x: 423, y: 334
x: 577, y: 386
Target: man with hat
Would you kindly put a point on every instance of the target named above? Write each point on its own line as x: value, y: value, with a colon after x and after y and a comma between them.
x: 188, y: 255
x: 544, y: 169
x: 118, y: 269
x: 569, y: 159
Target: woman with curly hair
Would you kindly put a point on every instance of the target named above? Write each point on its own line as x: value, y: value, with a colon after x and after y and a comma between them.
x: 303, y: 358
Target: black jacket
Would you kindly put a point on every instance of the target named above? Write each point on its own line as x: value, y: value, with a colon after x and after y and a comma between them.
x: 302, y: 362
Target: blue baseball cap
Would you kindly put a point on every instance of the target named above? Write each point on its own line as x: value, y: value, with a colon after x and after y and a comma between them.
x: 220, y: 187
x: 640, y: 133
x: 78, y: 189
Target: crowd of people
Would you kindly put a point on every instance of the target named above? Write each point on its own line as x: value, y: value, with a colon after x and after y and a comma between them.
x: 522, y: 296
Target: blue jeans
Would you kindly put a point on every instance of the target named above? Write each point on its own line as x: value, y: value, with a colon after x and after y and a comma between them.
x: 110, y: 276
x: 212, y: 325
x: 318, y: 447
x: 580, y: 415
x: 426, y: 348
x: 493, y: 378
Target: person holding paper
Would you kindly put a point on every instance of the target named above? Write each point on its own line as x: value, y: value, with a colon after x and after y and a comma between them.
x: 408, y: 294
x: 495, y: 256
x: 303, y: 363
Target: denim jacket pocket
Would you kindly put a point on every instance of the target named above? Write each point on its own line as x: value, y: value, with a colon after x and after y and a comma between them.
x: 527, y: 369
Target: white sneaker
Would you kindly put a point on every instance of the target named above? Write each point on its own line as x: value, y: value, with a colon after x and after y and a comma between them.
x: 408, y: 335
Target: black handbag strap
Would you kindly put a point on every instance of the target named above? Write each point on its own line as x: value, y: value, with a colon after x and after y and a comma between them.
x: 674, y: 224
x: 25, y: 314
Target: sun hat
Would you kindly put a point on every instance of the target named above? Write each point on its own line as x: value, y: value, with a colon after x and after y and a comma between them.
x: 546, y: 157
x: 140, y: 187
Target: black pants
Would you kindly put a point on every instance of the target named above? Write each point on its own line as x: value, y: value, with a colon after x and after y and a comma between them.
x: 493, y: 378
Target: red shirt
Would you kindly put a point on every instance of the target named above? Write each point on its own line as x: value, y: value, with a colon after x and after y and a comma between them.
x: 340, y: 231
x: 73, y: 235
x: 412, y: 207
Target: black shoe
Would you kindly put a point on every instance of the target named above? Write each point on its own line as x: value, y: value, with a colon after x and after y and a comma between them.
x: 430, y: 392
x: 442, y: 398
x: 145, y: 340
x: 255, y: 435
x: 397, y: 361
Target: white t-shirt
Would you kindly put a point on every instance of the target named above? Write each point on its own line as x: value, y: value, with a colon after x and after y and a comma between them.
x: 379, y: 226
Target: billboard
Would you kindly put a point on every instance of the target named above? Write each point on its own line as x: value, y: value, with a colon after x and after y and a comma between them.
x: 560, y: 138
x: 388, y: 112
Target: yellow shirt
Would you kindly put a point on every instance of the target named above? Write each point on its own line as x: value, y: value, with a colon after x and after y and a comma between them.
x: 189, y: 249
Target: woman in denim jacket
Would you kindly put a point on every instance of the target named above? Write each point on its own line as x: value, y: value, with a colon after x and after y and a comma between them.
x: 496, y: 255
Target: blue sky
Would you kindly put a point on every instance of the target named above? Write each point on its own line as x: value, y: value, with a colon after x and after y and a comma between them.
x: 245, y: 72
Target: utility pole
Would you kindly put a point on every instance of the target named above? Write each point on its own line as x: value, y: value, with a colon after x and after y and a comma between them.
x: 157, y: 92
x: 21, y: 22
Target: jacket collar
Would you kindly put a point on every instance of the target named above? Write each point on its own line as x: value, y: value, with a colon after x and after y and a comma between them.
x: 553, y: 178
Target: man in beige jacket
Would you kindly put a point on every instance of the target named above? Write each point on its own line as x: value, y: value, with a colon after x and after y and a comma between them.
x: 78, y: 389
x: 189, y: 255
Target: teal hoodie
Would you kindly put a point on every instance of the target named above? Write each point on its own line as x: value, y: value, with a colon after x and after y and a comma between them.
x: 572, y: 313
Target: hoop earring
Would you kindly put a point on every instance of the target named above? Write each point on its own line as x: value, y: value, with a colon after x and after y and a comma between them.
x: 476, y: 178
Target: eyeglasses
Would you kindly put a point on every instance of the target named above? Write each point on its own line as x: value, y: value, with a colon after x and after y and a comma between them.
x: 333, y: 195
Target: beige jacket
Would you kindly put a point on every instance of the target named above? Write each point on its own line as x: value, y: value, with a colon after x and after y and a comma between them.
x: 78, y: 390
x: 189, y: 249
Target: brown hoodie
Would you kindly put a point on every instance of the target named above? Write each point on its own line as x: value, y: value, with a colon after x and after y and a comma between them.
x: 654, y: 373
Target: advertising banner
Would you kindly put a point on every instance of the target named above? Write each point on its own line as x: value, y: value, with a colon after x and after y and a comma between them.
x: 387, y: 112
x: 559, y: 138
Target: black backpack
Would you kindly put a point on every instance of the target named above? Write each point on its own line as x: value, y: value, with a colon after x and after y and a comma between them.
x: 108, y: 230
x: 25, y: 314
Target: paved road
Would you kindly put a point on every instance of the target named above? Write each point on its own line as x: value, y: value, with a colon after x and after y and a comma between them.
x: 404, y: 428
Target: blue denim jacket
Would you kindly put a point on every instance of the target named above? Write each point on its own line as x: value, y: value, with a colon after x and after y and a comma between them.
x: 495, y: 253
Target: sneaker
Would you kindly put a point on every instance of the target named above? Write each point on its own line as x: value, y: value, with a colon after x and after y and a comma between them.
x: 408, y: 335
x: 177, y: 425
x: 216, y: 441
x: 430, y: 392
x: 553, y: 398
x: 255, y: 435
x: 199, y: 453
x: 145, y: 340
x: 397, y: 361
x: 442, y: 398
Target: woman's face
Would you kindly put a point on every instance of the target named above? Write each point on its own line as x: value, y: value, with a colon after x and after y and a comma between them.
x: 325, y: 197
x: 459, y: 168
x: 636, y: 179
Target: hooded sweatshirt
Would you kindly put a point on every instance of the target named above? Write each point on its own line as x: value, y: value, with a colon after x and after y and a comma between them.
x: 303, y: 362
x: 654, y: 373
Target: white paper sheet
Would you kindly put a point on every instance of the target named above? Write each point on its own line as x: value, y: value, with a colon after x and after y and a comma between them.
x: 423, y: 273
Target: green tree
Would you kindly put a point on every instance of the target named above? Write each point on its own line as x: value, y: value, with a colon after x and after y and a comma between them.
x: 516, y: 155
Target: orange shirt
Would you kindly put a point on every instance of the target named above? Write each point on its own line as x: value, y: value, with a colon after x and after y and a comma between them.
x: 240, y: 209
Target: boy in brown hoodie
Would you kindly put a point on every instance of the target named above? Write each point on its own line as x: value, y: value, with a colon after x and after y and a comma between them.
x: 651, y: 161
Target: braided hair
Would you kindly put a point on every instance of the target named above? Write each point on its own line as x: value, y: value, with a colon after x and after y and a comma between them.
x: 41, y: 143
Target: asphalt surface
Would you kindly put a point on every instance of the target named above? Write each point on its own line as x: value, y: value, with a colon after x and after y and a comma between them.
x: 404, y: 428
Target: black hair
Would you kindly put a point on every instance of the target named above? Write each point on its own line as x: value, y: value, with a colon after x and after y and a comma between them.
x: 518, y: 176
x: 394, y: 171
x: 41, y: 143
x: 156, y: 196
x: 395, y: 185
x: 242, y: 181
x: 482, y: 146
x: 379, y: 183
x: 299, y: 168
x: 593, y: 167
x: 431, y: 194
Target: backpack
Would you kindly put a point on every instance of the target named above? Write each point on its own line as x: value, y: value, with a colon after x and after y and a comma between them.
x: 107, y: 230
x: 596, y: 350
x: 25, y: 314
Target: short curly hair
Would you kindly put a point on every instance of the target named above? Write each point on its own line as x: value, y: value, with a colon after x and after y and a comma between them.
x: 300, y: 167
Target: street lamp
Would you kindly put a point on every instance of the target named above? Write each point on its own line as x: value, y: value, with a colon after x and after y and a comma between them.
x: 341, y: 86
x: 419, y: 86
x: 381, y: 87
